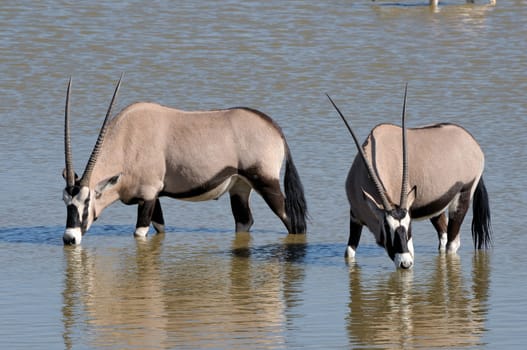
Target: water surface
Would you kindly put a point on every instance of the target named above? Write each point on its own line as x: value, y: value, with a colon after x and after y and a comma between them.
x: 202, y: 286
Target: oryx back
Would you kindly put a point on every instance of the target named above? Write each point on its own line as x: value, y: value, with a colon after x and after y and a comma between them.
x: 187, y: 154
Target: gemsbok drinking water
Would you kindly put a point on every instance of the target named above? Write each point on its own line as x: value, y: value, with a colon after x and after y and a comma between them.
x: 148, y: 151
x: 432, y: 170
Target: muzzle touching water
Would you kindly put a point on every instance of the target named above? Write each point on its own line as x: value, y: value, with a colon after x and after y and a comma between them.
x: 403, y: 261
x: 72, y: 236
x: 401, y: 249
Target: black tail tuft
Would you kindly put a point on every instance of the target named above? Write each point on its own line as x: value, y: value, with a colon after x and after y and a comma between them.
x: 481, y: 226
x: 295, y: 202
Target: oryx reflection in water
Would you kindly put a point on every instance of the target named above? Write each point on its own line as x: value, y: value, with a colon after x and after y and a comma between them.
x: 439, y: 308
x: 172, y: 295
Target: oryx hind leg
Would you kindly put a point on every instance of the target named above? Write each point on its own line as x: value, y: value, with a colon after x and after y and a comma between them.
x: 440, y: 223
x: 239, y: 194
x: 456, y: 213
x: 272, y: 194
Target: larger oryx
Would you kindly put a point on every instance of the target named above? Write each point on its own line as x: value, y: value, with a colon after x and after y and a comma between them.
x: 430, y: 171
x: 149, y: 150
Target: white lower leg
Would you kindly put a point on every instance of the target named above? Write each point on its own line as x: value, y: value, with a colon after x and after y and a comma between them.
x: 141, y: 231
x: 442, y: 242
x: 350, y: 253
x: 453, y: 246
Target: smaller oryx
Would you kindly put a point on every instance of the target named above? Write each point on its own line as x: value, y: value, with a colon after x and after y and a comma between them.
x: 149, y: 150
x: 439, y: 169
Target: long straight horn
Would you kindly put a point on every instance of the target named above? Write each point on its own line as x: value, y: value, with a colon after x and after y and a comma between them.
x: 70, y: 173
x: 376, y: 180
x: 85, y: 180
x: 404, y: 185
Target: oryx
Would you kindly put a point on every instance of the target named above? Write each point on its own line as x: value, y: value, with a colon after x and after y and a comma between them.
x: 432, y: 170
x: 149, y: 150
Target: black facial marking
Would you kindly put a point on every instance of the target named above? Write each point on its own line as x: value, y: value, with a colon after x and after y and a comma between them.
x: 400, y: 240
x: 387, y: 239
x: 399, y: 243
x: 85, y: 214
x: 73, y: 190
x: 72, y: 219
x: 398, y: 213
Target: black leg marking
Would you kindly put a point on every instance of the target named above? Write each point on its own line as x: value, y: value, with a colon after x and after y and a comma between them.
x: 354, y: 238
x: 440, y: 224
x: 157, y: 217
x: 455, y: 219
x: 239, y: 194
x: 145, y: 210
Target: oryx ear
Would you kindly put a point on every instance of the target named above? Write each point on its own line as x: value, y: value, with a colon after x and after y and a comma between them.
x: 371, y: 201
x: 64, y: 175
x: 106, y: 184
x: 411, y: 197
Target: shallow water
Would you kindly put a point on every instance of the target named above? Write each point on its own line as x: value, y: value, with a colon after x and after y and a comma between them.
x: 202, y: 286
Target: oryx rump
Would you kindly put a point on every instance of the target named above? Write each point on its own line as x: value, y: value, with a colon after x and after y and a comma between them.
x: 149, y: 150
x: 431, y: 171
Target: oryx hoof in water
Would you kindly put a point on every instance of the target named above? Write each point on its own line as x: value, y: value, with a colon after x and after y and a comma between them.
x: 439, y: 170
x: 148, y: 151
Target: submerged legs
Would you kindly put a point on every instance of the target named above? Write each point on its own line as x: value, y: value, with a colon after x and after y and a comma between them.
x: 456, y: 214
x: 149, y: 212
x: 448, y: 229
x: 354, y: 238
x: 157, y: 218
x: 440, y: 223
x: 240, y: 193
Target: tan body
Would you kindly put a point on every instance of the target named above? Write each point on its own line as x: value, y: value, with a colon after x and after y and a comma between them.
x: 148, y: 151
x: 402, y: 174
x: 445, y: 165
x: 148, y: 144
x: 445, y: 160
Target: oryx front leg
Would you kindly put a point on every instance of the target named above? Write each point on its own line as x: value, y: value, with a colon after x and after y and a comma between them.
x: 145, y: 210
x: 440, y: 223
x: 240, y: 193
x: 354, y: 238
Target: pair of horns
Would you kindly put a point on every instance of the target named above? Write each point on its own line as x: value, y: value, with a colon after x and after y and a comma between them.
x: 403, y: 203
x: 70, y: 173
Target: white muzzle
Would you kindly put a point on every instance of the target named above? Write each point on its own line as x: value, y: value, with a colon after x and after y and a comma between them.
x: 72, y: 236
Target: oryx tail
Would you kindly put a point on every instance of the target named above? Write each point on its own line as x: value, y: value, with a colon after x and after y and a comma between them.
x: 295, y: 202
x: 481, y: 227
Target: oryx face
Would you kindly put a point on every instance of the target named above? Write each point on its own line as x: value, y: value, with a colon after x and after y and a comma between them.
x: 80, y: 214
x: 397, y: 237
x: 83, y: 204
x: 78, y: 196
